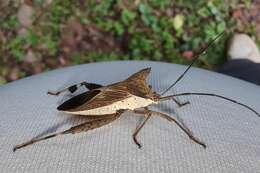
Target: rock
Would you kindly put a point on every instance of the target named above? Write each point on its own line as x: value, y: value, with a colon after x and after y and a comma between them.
x: 2, y: 37
x: 30, y: 57
x: 25, y: 14
x: 243, y: 47
x: 47, y: 2
x: 4, y: 4
x: 22, y: 32
x: 188, y: 54
x: 13, y: 75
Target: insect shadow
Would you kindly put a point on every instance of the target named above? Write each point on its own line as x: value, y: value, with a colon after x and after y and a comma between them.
x: 107, y: 103
x: 70, y: 120
x: 55, y: 127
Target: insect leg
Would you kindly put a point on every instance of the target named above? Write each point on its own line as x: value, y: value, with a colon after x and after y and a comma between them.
x: 89, y: 125
x: 138, y: 128
x: 180, y: 104
x: 73, y: 88
x: 185, y: 129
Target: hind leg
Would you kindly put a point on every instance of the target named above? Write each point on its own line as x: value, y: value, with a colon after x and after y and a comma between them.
x: 89, y: 125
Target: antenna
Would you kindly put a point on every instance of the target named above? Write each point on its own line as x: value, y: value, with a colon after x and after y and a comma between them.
x: 212, y: 95
x: 195, y: 58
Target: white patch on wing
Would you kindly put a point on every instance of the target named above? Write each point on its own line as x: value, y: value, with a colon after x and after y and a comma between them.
x: 132, y: 102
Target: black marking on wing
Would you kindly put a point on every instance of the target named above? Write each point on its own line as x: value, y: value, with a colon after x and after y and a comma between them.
x: 78, y: 100
x: 73, y: 88
x: 106, y: 96
x: 91, y: 86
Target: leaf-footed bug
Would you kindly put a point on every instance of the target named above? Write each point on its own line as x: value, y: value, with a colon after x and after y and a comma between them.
x: 107, y: 103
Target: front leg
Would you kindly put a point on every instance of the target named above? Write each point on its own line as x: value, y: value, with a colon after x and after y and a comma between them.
x: 73, y: 88
x: 180, y: 104
x: 138, y: 128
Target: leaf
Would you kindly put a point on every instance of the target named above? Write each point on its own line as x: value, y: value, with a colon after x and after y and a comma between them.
x: 204, y: 12
x: 127, y: 16
x: 213, y: 9
x: 178, y: 22
x: 119, y: 28
x: 32, y: 39
x: 144, y: 8
x: 221, y: 27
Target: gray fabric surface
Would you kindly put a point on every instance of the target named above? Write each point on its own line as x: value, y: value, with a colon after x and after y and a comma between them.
x: 231, y: 132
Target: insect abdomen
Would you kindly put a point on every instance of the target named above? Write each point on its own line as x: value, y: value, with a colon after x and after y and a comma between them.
x: 132, y: 102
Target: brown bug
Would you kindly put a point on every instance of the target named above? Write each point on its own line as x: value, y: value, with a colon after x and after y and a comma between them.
x: 107, y: 103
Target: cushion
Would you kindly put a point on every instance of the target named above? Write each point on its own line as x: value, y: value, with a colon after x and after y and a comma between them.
x: 230, y: 131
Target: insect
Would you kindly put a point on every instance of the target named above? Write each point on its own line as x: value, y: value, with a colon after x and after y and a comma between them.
x: 107, y: 103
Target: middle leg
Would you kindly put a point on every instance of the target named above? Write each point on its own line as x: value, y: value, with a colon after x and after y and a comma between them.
x: 138, y: 128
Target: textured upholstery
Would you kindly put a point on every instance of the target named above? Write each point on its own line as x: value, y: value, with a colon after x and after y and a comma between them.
x: 231, y: 132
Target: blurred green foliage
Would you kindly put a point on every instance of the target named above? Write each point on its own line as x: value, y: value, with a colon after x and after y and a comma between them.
x: 159, y: 30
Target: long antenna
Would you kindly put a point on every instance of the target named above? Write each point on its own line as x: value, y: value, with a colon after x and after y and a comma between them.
x: 210, y: 94
x: 195, y: 58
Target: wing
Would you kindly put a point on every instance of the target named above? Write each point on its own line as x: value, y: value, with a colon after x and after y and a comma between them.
x: 137, y: 85
x: 134, y: 85
x: 78, y: 100
x: 95, y: 98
